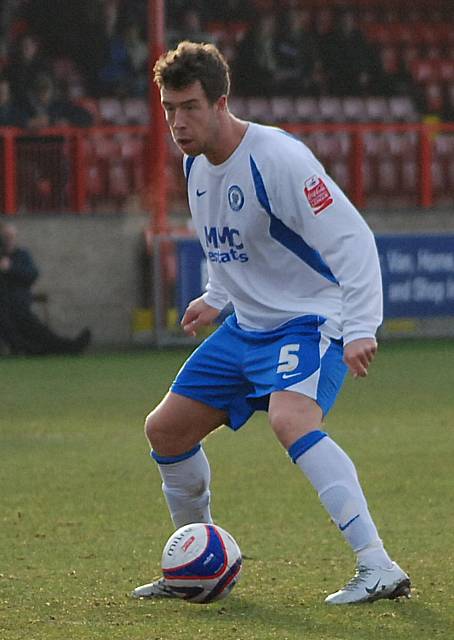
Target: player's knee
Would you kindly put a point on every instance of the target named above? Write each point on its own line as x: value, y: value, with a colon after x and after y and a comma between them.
x: 289, y: 423
x: 281, y: 419
x: 154, y: 431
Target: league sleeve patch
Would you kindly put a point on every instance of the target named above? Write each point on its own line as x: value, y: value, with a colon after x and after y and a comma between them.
x: 317, y: 194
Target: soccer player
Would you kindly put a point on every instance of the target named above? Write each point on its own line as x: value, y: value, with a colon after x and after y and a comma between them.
x: 299, y: 265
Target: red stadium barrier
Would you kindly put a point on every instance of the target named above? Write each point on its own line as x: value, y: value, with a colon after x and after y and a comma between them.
x: 105, y: 169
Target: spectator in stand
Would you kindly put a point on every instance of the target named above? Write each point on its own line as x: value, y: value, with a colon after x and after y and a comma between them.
x: 45, y: 108
x: 115, y: 72
x: 21, y: 330
x: 137, y: 50
x: 256, y: 66
x: 25, y: 65
x: 47, y: 174
x: 11, y: 115
x: 176, y: 9
x: 297, y: 52
x: 327, y: 44
x: 228, y: 11
x: 351, y: 63
x: 3, y: 52
x: 189, y: 28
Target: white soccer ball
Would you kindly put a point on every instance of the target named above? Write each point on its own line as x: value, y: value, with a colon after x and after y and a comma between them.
x: 201, y: 562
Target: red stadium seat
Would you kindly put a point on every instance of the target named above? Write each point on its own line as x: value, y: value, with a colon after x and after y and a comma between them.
x: 119, y: 185
x: 447, y: 70
x: 434, y: 97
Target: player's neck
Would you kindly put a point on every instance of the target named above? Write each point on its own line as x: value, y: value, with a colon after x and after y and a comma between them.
x: 231, y: 134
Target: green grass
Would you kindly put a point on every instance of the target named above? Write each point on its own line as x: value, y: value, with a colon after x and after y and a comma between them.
x: 83, y: 519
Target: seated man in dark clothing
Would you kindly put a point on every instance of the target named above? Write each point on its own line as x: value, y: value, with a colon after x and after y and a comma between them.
x: 11, y: 115
x: 21, y: 330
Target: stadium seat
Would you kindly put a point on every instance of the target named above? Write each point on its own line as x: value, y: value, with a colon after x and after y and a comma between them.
x: 341, y: 174
x: 388, y: 176
x: 135, y: 111
x: 306, y: 109
x: 95, y: 181
x: 402, y: 109
x: 259, y: 109
x: 434, y: 97
x: 105, y: 147
x: 438, y: 176
x: 410, y: 175
x: 132, y: 150
x: 376, y: 108
x: 390, y: 59
x: 330, y: 109
x: 238, y: 106
x: 354, y: 109
x: 447, y: 70
x: 372, y: 144
x: 111, y: 111
x: 282, y: 109
x: 119, y: 184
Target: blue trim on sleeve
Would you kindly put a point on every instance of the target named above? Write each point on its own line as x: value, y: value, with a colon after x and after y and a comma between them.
x: 189, y: 163
x: 172, y: 459
x: 286, y: 236
x: 305, y: 443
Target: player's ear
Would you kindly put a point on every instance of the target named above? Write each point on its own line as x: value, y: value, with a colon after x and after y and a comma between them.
x: 221, y: 103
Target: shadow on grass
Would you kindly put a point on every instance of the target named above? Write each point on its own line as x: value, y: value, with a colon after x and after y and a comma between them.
x: 243, y: 617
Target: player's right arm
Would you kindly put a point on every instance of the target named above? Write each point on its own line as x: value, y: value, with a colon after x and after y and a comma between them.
x: 198, y: 314
x: 204, y: 310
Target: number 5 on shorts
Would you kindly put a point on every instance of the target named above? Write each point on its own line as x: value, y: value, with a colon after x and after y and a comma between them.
x: 288, y: 360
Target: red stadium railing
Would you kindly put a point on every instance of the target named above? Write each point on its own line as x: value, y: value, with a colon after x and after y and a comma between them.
x: 106, y: 169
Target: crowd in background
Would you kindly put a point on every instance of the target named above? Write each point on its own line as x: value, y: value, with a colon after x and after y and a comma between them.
x: 54, y: 52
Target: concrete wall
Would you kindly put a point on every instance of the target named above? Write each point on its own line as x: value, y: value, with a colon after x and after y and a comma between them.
x: 90, y: 267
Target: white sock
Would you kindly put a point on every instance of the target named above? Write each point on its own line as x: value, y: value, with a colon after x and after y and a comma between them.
x: 334, y: 477
x: 185, y: 483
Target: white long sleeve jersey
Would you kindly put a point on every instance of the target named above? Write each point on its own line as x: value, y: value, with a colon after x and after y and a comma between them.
x: 282, y: 240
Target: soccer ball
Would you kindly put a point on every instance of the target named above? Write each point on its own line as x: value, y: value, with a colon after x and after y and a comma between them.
x: 201, y: 562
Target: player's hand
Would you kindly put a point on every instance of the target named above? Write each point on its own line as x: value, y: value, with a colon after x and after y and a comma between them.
x: 358, y: 355
x: 198, y: 314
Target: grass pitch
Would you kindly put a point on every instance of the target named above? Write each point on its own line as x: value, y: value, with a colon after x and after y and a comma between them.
x: 83, y: 520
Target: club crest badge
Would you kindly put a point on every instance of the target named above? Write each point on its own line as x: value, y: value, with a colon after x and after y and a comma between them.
x: 236, y: 198
x: 317, y: 194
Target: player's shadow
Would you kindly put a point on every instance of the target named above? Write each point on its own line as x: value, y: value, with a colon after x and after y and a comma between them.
x: 241, y: 611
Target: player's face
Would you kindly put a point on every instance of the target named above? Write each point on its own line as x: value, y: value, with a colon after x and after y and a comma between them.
x: 193, y: 120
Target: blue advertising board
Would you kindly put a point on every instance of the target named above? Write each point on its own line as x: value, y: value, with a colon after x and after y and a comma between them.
x: 191, y: 270
x: 418, y: 274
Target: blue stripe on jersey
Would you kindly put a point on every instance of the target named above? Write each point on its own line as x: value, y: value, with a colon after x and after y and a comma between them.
x: 189, y: 163
x: 286, y: 236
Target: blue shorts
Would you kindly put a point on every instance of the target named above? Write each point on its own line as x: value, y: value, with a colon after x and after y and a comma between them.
x: 236, y: 370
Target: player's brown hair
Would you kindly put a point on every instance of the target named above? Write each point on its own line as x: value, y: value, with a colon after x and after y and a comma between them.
x: 191, y: 61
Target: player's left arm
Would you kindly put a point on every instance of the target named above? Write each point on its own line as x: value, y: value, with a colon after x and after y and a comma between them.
x: 347, y: 245
x: 331, y: 225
